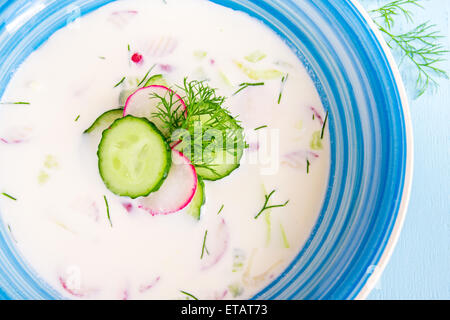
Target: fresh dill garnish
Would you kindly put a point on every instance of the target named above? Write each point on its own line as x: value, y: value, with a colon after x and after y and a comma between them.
x: 107, y: 210
x: 189, y: 294
x: 245, y: 85
x: 221, y: 208
x: 129, y: 48
x: 77, y: 118
x: 102, y: 58
x: 314, y: 116
x: 324, y: 125
x: 262, y: 127
x: 266, y: 205
x: 283, y: 83
x: 204, y: 249
x: 146, y: 75
x: 206, y: 128
x: 9, y: 196
x: 18, y: 102
x: 308, y: 165
x: 120, y: 82
x: 419, y: 45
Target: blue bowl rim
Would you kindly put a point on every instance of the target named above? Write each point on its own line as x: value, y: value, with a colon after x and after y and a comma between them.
x: 409, y: 165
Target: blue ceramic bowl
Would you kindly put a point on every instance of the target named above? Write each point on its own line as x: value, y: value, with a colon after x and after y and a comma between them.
x: 371, y: 140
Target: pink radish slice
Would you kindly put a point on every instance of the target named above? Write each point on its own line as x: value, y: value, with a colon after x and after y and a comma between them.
x: 217, y: 245
x: 144, y: 103
x: 177, y: 190
x: 16, y: 135
x: 73, y: 292
x: 122, y: 18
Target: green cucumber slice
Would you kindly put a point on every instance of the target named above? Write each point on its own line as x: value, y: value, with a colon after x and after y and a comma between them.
x: 199, y: 199
x: 104, y: 121
x: 133, y: 157
x: 222, y: 163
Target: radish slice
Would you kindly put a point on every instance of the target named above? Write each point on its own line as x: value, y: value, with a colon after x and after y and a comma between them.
x: 177, y: 190
x: 145, y: 102
x: 16, y: 135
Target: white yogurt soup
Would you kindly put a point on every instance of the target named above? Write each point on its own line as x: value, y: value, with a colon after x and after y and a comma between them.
x: 83, y: 206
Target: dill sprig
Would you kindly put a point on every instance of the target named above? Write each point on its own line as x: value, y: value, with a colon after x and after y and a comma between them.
x: 107, y: 210
x: 284, y: 79
x: 262, y: 127
x: 221, y: 208
x: 266, y: 205
x: 205, y: 128
x: 245, y: 85
x: 322, y: 133
x: 9, y: 196
x: 146, y: 75
x: 204, y: 249
x: 16, y: 103
x: 419, y: 45
x: 189, y: 294
x: 120, y: 82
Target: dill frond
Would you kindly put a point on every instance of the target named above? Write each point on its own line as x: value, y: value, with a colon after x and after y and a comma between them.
x: 420, y: 46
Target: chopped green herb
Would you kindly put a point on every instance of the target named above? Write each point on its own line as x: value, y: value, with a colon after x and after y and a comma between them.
x: 107, y: 210
x: 146, y: 75
x: 323, y: 127
x: 221, y: 208
x: 129, y: 48
x: 283, y: 83
x: 308, y: 165
x: 246, y: 85
x: 103, y: 58
x: 267, y: 206
x: 120, y: 82
x: 78, y: 117
x: 189, y: 295
x: 262, y: 127
x: 19, y: 102
x: 204, y: 249
x: 9, y: 196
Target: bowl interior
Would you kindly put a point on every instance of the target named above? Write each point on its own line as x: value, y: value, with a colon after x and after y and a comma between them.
x: 368, y: 127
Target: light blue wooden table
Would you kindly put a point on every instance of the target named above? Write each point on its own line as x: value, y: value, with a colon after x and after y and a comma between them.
x: 420, y: 265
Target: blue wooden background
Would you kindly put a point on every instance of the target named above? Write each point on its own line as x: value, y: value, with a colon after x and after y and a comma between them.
x: 420, y: 265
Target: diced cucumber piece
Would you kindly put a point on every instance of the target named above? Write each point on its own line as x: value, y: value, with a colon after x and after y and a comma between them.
x: 133, y: 157
x: 198, y: 201
x: 104, y: 121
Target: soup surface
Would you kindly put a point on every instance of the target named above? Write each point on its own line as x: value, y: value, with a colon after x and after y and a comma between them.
x: 89, y: 243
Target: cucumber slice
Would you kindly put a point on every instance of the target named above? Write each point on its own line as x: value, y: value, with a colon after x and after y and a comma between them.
x: 133, y: 157
x: 220, y: 164
x: 104, y: 121
x: 198, y: 201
